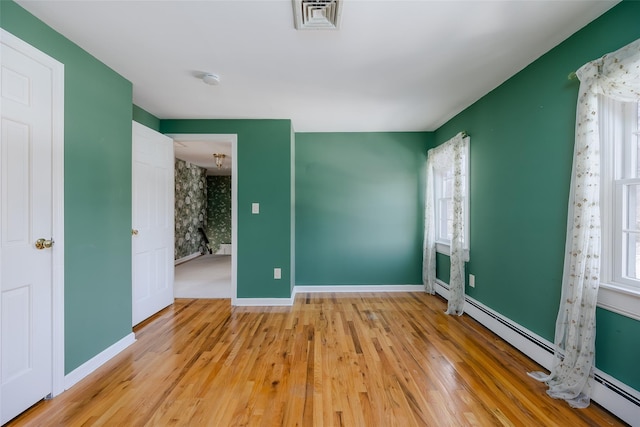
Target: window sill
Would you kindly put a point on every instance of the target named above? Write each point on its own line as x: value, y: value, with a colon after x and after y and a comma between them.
x: 445, y: 249
x: 619, y: 299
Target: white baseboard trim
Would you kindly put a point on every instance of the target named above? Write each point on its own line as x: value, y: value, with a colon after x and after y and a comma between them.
x: 617, y: 397
x: 224, y: 249
x: 358, y: 288
x: 75, y: 376
x: 187, y: 258
x: 262, y: 302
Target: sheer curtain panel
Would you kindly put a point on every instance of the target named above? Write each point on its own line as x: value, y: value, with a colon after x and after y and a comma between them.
x: 615, y: 75
x: 444, y: 157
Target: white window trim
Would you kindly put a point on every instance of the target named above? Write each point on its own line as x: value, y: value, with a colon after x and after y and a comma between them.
x: 445, y: 249
x: 443, y: 246
x: 613, y: 294
x: 619, y: 299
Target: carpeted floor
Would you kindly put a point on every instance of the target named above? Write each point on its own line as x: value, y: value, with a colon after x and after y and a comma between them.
x: 208, y: 276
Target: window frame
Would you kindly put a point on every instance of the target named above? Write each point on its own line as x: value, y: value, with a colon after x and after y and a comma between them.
x: 443, y: 246
x: 618, y: 129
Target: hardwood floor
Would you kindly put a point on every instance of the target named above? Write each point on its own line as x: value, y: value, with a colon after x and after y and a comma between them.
x: 330, y: 360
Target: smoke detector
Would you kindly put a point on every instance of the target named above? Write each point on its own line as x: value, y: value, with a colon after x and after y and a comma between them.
x: 211, y: 79
x: 317, y: 14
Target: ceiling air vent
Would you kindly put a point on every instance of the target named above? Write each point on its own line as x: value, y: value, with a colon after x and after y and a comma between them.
x: 317, y: 14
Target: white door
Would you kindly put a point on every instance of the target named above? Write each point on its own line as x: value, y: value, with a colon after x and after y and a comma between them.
x: 152, y: 233
x: 26, y: 229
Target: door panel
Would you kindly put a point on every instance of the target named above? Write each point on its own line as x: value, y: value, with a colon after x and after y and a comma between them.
x: 26, y: 211
x: 152, y: 241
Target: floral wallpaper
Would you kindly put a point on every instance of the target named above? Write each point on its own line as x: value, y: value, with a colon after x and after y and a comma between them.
x: 190, y: 209
x: 218, y: 227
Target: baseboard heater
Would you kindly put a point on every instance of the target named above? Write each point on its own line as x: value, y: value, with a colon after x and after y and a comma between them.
x: 548, y: 348
x: 599, y: 376
x: 614, y: 388
x: 511, y: 326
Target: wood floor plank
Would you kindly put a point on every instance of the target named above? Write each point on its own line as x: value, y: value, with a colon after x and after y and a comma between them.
x: 330, y: 360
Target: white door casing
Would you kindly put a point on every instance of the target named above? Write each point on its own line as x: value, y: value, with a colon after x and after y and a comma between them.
x: 31, y: 206
x: 152, y: 222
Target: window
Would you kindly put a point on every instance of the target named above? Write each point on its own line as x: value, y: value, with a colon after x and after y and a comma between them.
x: 443, y: 198
x: 620, y: 207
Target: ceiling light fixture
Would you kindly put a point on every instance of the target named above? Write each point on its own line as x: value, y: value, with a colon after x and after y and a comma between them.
x: 211, y: 79
x: 219, y: 159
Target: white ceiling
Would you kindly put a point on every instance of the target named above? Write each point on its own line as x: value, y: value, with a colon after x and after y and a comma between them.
x: 393, y: 65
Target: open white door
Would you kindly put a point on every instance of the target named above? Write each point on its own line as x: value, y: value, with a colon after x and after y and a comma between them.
x: 152, y: 233
x: 30, y: 87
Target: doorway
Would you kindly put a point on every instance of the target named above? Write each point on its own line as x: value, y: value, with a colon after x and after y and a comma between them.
x: 206, y: 248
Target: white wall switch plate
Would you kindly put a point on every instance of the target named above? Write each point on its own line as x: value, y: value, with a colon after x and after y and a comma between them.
x: 277, y: 273
x: 472, y: 280
x: 255, y: 208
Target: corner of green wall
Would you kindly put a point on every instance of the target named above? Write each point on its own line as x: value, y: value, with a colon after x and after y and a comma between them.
x: 145, y: 118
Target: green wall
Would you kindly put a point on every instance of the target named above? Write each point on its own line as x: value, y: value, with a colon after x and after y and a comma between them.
x: 145, y: 118
x: 97, y: 204
x: 521, y: 154
x: 617, y: 349
x: 264, y: 164
x: 360, y: 207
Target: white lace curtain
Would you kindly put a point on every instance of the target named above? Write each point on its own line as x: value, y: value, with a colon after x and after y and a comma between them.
x: 446, y: 156
x: 615, y: 75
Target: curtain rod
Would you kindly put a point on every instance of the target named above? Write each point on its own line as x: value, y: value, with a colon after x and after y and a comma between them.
x: 464, y: 134
x: 572, y: 75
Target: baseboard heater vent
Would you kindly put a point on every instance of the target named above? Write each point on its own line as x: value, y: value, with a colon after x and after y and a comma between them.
x: 620, y: 392
x: 511, y: 326
x: 545, y: 346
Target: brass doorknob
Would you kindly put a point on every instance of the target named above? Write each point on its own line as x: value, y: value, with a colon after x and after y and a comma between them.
x: 134, y: 232
x: 44, y: 244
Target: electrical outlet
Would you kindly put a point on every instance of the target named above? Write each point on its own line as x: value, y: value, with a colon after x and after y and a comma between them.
x: 277, y: 273
x: 472, y: 280
x: 255, y: 208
